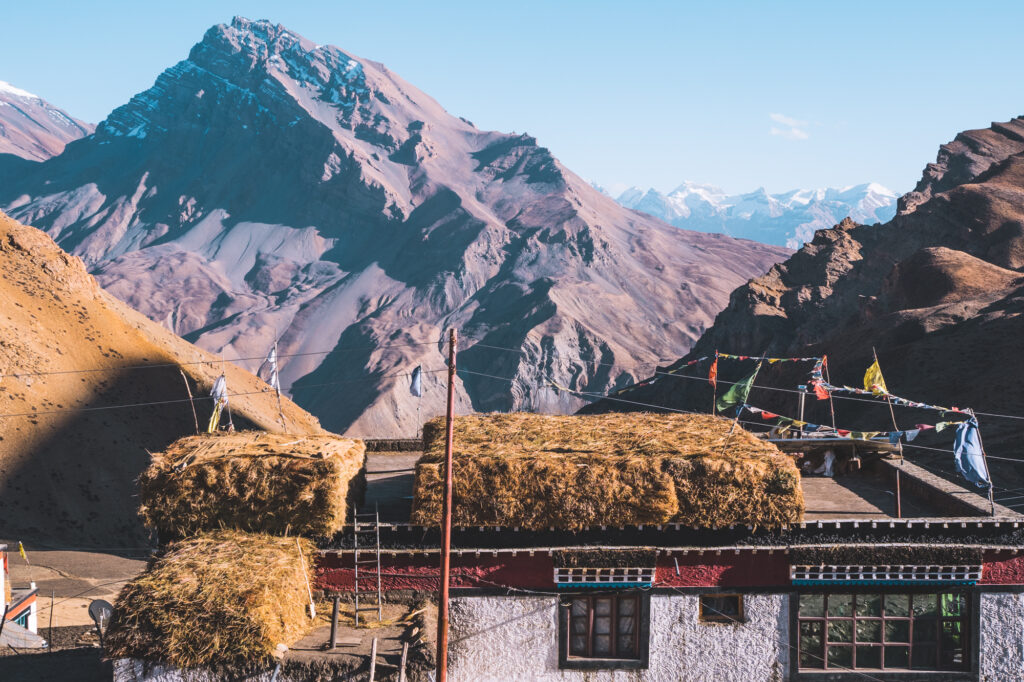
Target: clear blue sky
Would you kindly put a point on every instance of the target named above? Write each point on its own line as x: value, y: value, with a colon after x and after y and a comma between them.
x: 738, y: 94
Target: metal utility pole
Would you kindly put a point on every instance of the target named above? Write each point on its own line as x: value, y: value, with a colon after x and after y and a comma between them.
x: 446, y: 519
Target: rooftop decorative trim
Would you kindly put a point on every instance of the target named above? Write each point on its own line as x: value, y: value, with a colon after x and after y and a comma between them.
x: 885, y: 575
x: 604, y: 577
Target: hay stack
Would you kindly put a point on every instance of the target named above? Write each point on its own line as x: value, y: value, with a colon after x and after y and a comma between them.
x: 221, y: 599
x: 540, y: 471
x: 253, y: 481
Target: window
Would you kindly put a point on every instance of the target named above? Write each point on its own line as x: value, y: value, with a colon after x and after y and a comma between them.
x: 604, y: 630
x: 22, y: 620
x: 721, y: 608
x: 915, y: 631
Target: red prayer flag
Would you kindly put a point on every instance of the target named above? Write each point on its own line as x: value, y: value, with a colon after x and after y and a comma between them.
x: 713, y: 374
x: 842, y: 432
x: 819, y: 391
x: 769, y: 415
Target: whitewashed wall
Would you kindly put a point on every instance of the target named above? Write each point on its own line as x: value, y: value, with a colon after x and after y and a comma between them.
x: 516, y: 638
x: 1001, y: 638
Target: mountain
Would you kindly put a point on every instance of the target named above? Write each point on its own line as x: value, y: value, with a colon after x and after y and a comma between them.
x: 32, y: 128
x: 269, y: 186
x: 788, y: 219
x: 938, y: 291
x: 69, y: 352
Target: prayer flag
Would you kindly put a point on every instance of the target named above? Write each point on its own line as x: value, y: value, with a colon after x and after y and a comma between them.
x: 220, y: 401
x: 873, y: 380
x: 968, y: 455
x: 912, y: 434
x: 738, y: 392
x: 819, y: 391
x: 21, y: 550
x: 270, y: 365
x: 713, y: 374
x: 416, y: 385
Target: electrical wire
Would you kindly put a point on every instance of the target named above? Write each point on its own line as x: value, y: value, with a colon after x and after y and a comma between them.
x: 206, y: 397
x: 216, y: 360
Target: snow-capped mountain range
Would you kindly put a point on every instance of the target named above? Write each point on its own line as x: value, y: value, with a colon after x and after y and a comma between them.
x: 788, y: 219
x: 268, y: 187
x: 32, y: 128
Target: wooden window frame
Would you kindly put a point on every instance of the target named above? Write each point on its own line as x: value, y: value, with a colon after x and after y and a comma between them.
x: 703, y: 617
x: 968, y: 621
x: 641, y: 631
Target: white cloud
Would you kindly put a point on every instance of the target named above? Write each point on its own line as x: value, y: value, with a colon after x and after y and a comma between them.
x: 790, y: 128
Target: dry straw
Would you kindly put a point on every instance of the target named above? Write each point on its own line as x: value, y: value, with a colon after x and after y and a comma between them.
x: 571, y: 472
x: 221, y: 599
x: 260, y: 482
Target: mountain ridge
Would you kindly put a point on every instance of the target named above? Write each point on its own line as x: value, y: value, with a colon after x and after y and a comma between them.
x: 267, y: 187
x: 786, y: 219
x: 33, y: 129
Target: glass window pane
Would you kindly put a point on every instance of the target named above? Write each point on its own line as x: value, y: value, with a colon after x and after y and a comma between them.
x: 625, y: 646
x: 869, y: 657
x: 626, y: 625
x: 812, y: 605
x: 603, y: 606
x: 952, y: 604
x: 897, y: 605
x: 897, y: 657
x: 869, y: 631
x: 840, y: 631
x: 603, y: 625
x: 952, y: 645
x: 923, y: 657
x: 602, y: 645
x: 811, y: 652
x: 579, y: 607
x: 897, y: 631
x: 926, y: 604
x: 627, y: 606
x: 869, y: 605
x: 926, y: 631
x: 840, y: 656
x: 579, y: 626
x: 578, y: 645
x: 840, y: 605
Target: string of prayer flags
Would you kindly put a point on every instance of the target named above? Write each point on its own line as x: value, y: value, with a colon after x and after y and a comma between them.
x: 770, y: 361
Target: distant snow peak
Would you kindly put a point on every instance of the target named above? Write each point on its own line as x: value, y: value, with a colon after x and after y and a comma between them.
x: 17, y: 92
x: 786, y: 219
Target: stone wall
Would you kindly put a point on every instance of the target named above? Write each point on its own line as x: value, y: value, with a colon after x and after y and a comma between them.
x: 1001, y: 639
x: 516, y: 638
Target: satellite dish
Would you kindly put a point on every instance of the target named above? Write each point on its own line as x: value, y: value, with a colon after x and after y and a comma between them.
x: 100, y: 610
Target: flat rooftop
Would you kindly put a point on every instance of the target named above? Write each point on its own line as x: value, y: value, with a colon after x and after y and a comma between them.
x: 868, y: 493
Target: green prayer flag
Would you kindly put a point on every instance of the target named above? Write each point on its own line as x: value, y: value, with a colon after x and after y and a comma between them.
x: 738, y: 392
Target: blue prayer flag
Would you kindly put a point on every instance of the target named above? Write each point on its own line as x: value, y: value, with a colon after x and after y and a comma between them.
x: 967, y: 453
x: 416, y: 386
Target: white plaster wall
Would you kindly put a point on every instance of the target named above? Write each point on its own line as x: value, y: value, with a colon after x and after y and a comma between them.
x: 33, y: 616
x: 516, y: 638
x: 1001, y: 636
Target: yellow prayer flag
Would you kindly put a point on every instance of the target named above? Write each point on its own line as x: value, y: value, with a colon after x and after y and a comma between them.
x: 21, y: 550
x: 873, y: 380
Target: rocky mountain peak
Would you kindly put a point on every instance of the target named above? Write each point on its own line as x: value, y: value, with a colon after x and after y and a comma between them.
x: 32, y: 128
x: 268, y: 187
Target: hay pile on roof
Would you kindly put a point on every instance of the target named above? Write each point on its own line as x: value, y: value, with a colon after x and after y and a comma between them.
x: 254, y: 481
x: 221, y: 599
x: 540, y: 471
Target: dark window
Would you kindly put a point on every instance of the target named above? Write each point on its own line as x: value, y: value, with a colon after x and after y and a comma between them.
x: 605, y: 630
x: 721, y: 608
x: 916, y: 631
x: 22, y: 619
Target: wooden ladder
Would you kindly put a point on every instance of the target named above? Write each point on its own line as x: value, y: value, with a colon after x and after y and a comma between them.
x: 366, y: 533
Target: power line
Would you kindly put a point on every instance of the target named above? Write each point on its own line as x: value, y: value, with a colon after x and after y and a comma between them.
x: 217, y: 360
x: 206, y: 397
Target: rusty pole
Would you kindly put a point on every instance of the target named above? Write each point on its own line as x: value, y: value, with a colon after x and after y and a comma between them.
x: 446, y: 518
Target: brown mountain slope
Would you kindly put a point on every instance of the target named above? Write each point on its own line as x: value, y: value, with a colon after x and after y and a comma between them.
x: 939, y: 291
x: 67, y: 463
